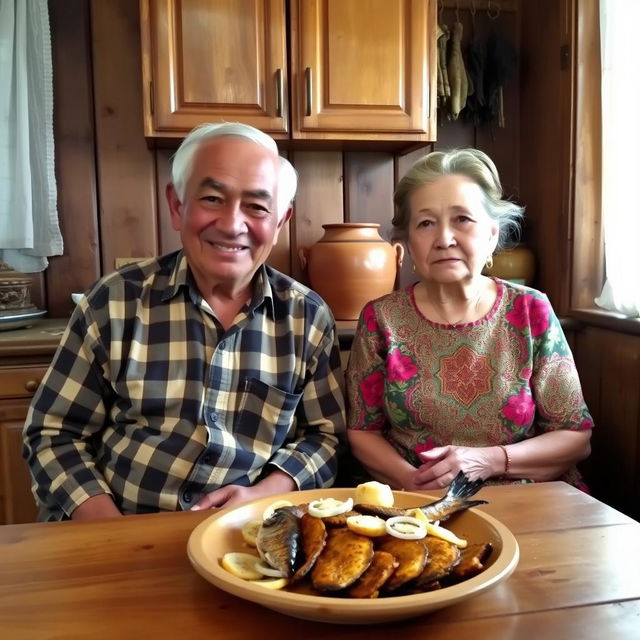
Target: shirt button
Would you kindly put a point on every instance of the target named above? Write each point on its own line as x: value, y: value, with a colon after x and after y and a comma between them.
x: 213, y: 416
x: 206, y: 459
x: 222, y: 344
x: 187, y: 497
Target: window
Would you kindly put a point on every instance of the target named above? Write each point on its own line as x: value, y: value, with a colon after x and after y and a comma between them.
x: 620, y: 96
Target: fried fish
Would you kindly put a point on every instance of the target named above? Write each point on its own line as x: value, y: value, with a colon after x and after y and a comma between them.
x: 411, y: 556
x: 344, y: 559
x: 443, y: 556
x: 314, y: 536
x: 278, y: 540
x: 369, y: 583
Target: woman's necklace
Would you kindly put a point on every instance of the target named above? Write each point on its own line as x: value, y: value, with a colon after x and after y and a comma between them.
x: 471, y: 304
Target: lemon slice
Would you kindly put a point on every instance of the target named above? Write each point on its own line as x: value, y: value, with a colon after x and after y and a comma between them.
x: 370, y: 526
x: 445, y: 534
x: 418, y: 514
x: 268, y: 512
x: 250, y: 531
x: 374, y: 492
x: 241, y: 565
x: 275, y: 583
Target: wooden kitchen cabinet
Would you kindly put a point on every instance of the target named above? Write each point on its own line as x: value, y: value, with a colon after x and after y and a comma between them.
x: 213, y: 60
x: 24, y: 358
x: 363, y: 69
x: 359, y: 69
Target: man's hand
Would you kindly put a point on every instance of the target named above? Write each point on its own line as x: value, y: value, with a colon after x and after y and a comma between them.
x: 96, y: 508
x: 275, y: 483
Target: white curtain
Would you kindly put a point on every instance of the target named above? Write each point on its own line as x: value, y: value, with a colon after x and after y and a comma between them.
x: 29, y: 230
x: 619, y: 23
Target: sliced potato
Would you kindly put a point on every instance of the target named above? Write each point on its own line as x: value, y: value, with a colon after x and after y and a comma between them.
x: 375, y: 493
x: 250, y: 531
x: 242, y: 565
x: 370, y: 526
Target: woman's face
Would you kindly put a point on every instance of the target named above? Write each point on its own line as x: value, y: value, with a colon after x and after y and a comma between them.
x: 450, y: 233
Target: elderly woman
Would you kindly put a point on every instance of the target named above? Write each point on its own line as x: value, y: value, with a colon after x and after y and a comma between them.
x: 460, y: 371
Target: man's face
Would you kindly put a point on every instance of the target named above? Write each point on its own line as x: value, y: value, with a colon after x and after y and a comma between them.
x: 228, y: 219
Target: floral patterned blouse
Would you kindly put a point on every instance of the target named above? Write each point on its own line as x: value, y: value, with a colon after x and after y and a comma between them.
x: 504, y: 378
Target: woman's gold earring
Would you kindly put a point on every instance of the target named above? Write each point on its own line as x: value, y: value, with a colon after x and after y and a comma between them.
x: 489, y: 262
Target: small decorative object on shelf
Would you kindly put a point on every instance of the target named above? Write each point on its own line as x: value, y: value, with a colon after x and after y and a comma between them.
x: 14, y: 290
x: 517, y: 265
x: 350, y: 265
x: 16, y: 308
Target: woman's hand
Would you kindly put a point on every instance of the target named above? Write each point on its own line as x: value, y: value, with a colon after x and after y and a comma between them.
x: 442, y: 464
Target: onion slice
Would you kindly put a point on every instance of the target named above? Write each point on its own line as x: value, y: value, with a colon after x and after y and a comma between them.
x: 327, y: 507
x: 267, y: 570
x: 406, y: 527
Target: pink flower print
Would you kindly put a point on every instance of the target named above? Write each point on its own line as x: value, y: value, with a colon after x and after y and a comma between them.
x: 531, y: 311
x: 372, y: 388
x: 427, y: 445
x: 586, y: 424
x: 370, y: 318
x: 519, y: 409
x: 400, y: 368
x: 583, y: 487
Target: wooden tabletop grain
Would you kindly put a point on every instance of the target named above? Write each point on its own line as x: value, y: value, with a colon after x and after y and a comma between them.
x: 578, y: 577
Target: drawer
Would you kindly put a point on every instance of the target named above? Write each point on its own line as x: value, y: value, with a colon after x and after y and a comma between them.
x: 20, y: 382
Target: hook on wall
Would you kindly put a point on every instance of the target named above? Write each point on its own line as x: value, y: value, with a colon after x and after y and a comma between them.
x: 495, y: 13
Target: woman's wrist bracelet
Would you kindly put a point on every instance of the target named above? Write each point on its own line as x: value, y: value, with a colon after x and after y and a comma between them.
x: 507, y: 461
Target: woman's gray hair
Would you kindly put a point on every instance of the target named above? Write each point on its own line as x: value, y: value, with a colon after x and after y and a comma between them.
x: 475, y: 165
x: 183, y: 158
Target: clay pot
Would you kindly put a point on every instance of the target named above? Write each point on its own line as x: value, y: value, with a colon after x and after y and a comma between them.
x: 517, y: 264
x: 350, y: 265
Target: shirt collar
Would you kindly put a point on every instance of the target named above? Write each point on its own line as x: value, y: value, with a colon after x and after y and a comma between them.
x: 181, y: 277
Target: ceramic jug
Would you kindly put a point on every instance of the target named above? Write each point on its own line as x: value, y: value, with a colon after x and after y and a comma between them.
x: 350, y: 265
x: 516, y: 264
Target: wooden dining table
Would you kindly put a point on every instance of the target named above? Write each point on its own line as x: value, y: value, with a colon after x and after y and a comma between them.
x: 578, y: 577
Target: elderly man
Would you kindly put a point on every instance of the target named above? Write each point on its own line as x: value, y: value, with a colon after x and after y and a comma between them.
x: 202, y: 378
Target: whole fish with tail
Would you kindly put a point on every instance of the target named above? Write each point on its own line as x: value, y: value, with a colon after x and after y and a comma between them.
x: 456, y: 499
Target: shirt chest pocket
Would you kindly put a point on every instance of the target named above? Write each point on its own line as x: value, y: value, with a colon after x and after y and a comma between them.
x: 265, y: 415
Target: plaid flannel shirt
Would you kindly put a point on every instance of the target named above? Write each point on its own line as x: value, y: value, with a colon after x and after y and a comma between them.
x: 150, y: 400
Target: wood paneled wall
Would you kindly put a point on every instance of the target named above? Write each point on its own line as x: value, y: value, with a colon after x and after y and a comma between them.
x: 111, y: 182
x: 609, y: 365
x: 111, y: 189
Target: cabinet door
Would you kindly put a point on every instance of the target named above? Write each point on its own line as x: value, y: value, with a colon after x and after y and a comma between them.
x: 213, y: 61
x: 18, y: 503
x: 363, y: 69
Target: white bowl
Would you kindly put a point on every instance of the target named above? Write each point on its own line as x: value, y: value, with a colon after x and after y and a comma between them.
x: 76, y: 297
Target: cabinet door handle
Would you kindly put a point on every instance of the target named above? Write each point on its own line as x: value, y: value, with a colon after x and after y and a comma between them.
x: 31, y: 385
x: 308, y: 81
x: 279, y: 93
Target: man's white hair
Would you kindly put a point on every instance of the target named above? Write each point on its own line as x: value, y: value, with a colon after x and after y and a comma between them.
x: 183, y: 158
